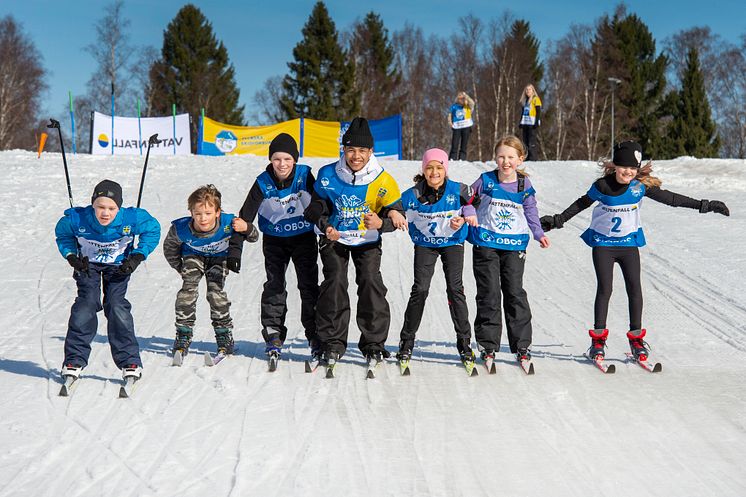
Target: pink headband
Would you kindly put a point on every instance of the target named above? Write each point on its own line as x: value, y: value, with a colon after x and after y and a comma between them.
x: 435, y: 154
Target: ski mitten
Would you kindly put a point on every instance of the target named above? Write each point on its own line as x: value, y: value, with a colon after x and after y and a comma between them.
x: 130, y: 263
x: 714, y: 206
x: 78, y: 264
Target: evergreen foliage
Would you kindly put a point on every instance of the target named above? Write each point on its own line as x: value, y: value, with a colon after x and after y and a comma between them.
x: 692, y: 130
x: 628, y: 52
x: 525, y: 48
x: 320, y: 84
x: 194, y: 73
x: 376, y: 79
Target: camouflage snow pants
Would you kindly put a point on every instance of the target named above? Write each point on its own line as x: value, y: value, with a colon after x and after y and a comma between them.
x: 215, y: 271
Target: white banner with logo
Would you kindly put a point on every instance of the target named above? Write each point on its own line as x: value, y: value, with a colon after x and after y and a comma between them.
x: 127, y: 139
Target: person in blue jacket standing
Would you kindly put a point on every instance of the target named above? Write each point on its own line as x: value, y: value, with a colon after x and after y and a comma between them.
x: 98, y: 242
x: 461, y: 122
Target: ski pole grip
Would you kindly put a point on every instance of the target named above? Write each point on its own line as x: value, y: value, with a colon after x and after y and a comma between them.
x: 53, y: 123
x: 153, y: 140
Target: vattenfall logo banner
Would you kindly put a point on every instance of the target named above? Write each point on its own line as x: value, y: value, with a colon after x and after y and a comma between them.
x: 127, y: 139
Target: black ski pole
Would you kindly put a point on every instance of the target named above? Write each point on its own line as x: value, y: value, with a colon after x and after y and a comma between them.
x: 53, y: 123
x: 151, y: 141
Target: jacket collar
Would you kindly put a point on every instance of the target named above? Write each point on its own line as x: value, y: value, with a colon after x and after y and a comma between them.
x: 365, y: 176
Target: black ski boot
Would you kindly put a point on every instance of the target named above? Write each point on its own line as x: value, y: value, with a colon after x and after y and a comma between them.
x: 405, y: 350
x: 523, y: 355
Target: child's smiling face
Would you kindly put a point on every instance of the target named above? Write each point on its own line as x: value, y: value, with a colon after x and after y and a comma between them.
x: 357, y: 157
x: 508, y: 159
x: 624, y: 175
x: 435, y: 174
x: 105, y: 209
x: 282, y: 164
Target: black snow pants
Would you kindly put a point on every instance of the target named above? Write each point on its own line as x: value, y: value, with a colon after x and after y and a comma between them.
x: 333, y: 307
x: 499, y: 273
x: 459, y: 142
x: 452, y: 258
x: 278, y: 252
x: 628, y: 259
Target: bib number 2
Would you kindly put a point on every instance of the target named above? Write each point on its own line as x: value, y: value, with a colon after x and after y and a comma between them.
x: 616, y: 222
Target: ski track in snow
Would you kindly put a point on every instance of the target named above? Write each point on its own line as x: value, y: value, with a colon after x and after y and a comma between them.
x: 236, y: 429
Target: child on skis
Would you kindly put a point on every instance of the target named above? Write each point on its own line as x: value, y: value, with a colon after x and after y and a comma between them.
x: 438, y: 211
x: 615, y: 235
x: 279, y: 196
x: 196, y: 246
x: 350, y: 206
x: 98, y: 242
x: 507, y: 217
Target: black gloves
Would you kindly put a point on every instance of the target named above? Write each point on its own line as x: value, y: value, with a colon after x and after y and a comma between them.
x: 252, y: 236
x: 130, y: 263
x: 714, y: 206
x: 234, y: 264
x: 80, y: 265
x: 549, y: 223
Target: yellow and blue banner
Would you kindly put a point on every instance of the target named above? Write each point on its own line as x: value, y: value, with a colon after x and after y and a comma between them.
x: 314, y: 138
x: 217, y: 138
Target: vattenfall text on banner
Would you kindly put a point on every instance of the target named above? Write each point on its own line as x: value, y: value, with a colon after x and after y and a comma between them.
x: 127, y: 139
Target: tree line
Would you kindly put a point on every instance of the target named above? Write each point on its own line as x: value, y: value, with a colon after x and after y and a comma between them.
x: 684, y: 96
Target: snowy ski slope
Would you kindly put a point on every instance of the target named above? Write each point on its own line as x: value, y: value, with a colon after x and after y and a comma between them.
x: 237, y: 430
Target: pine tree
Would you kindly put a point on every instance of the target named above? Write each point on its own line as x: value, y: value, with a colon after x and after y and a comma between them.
x: 525, y: 46
x: 628, y: 52
x: 194, y: 73
x: 692, y: 131
x: 376, y: 79
x: 321, y: 80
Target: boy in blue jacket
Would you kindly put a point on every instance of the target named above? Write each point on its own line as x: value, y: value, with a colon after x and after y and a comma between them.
x: 98, y: 242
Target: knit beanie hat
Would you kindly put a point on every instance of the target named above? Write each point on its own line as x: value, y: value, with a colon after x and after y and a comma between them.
x: 627, y: 154
x: 358, y: 134
x: 435, y: 154
x: 284, y: 143
x: 110, y: 189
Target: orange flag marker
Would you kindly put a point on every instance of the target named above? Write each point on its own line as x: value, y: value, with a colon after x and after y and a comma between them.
x: 41, y: 144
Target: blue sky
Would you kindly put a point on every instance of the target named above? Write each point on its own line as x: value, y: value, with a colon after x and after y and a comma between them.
x: 260, y: 35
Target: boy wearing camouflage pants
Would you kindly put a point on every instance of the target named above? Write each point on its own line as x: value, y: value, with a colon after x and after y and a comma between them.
x: 199, y: 245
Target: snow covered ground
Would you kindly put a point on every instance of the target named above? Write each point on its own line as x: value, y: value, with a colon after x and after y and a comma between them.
x: 238, y: 430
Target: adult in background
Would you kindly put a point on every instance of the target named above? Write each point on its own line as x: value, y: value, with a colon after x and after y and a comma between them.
x: 459, y: 117
x: 530, y: 118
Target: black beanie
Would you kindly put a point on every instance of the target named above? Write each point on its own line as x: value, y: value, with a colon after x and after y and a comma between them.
x: 358, y: 134
x: 284, y: 143
x: 627, y: 154
x: 110, y: 189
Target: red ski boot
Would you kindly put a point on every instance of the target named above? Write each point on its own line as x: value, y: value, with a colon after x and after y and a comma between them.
x: 637, y: 345
x: 598, y: 343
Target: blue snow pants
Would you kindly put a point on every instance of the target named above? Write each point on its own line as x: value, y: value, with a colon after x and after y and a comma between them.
x: 83, y: 324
